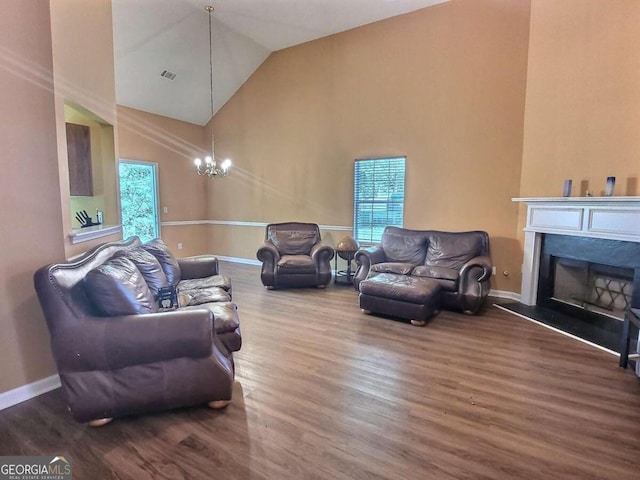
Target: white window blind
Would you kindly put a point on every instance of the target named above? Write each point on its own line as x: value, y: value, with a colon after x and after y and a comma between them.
x: 378, y: 197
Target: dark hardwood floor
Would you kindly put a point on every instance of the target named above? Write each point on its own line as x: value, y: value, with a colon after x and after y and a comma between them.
x: 325, y: 392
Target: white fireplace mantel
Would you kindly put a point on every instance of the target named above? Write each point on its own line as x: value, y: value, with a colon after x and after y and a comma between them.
x: 611, y: 218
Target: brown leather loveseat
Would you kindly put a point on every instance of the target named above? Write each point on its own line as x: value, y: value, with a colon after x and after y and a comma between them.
x: 116, y: 352
x: 458, y: 261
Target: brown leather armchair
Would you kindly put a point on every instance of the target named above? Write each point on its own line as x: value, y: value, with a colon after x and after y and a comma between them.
x: 293, y: 255
x: 459, y: 261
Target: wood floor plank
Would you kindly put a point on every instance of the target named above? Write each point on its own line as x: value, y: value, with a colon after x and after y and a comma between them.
x: 324, y: 391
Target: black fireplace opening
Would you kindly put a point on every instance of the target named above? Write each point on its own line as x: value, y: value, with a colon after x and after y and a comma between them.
x: 578, y: 287
x: 586, y: 285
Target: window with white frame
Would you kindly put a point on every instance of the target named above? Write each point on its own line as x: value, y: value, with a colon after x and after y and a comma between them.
x: 378, y: 192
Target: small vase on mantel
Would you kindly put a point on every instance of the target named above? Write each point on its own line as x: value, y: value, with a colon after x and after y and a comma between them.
x: 611, y: 183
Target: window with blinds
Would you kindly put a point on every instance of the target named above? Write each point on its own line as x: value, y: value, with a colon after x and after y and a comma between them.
x: 378, y: 197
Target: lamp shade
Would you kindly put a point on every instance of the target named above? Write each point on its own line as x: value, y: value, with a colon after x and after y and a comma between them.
x: 346, y: 248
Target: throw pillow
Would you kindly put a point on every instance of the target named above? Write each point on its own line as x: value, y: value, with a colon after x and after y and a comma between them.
x: 149, y: 267
x: 118, y: 288
x: 443, y: 273
x: 293, y: 242
x: 404, y: 246
x: 169, y: 264
x: 453, y: 250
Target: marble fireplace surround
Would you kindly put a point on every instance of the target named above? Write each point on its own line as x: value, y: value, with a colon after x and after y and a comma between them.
x: 609, y: 218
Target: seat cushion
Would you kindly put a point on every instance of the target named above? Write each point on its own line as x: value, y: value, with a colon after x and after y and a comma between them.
x: 219, y: 281
x: 446, y: 277
x: 206, y: 295
x: 401, y: 287
x: 392, y: 267
x: 225, y: 318
x: 296, y: 264
x: 118, y: 288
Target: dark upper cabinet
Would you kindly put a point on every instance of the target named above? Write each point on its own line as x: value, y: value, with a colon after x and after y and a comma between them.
x: 79, y: 154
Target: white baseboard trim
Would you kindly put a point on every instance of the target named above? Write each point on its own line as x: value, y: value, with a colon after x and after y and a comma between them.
x: 245, y: 261
x: 28, y: 391
x: 504, y: 294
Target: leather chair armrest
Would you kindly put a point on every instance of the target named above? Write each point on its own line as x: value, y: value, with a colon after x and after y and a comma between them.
x: 478, y: 262
x: 365, y: 257
x: 474, y: 284
x: 111, y: 343
x: 321, y: 253
x: 268, y: 254
x: 200, y: 266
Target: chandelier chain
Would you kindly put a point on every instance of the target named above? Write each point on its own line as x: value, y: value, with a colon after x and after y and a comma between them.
x: 210, y: 167
x: 210, y: 9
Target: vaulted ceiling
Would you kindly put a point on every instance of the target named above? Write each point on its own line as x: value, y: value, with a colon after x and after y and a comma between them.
x: 151, y: 36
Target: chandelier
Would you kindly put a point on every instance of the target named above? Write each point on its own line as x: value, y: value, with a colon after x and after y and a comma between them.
x: 209, y: 166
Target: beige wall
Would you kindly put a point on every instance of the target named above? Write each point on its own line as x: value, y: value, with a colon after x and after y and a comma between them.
x: 444, y: 86
x: 31, y: 233
x: 582, y: 118
x: 583, y: 97
x: 52, y: 53
x: 173, y: 144
x: 194, y: 239
x: 84, y: 76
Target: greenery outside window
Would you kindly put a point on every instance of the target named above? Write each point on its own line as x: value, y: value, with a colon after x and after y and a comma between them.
x: 139, y: 199
x: 378, y: 192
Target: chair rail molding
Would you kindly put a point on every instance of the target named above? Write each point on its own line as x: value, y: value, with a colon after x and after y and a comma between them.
x: 239, y: 223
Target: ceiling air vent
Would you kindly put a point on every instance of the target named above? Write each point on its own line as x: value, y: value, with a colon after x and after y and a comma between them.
x: 168, y: 74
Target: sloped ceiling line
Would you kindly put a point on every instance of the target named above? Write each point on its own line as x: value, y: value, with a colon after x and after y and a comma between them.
x: 155, y: 35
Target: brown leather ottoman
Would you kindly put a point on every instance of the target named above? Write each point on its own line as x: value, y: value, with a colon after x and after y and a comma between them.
x: 403, y: 296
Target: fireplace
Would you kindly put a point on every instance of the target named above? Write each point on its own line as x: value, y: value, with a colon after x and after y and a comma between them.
x: 582, y: 262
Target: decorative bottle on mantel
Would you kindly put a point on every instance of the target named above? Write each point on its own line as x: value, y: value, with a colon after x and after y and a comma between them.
x: 611, y: 183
